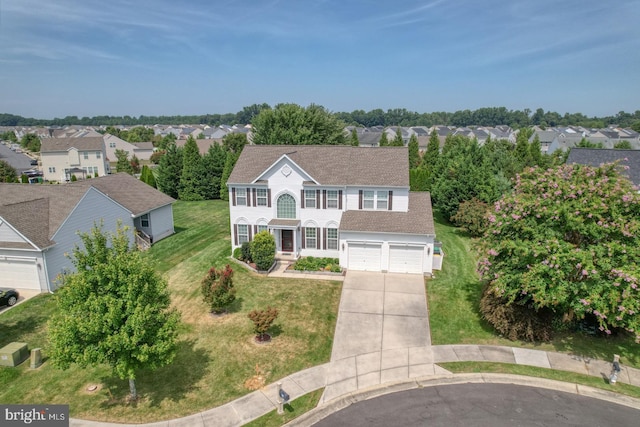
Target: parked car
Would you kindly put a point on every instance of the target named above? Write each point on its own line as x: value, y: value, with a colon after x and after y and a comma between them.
x: 8, y: 296
x: 34, y: 162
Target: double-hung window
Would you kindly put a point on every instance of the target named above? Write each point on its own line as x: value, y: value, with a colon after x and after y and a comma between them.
x: 310, y: 199
x: 383, y: 200
x: 86, y: 155
x: 368, y: 199
x: 310, y: 237
x: 98, y: 154
x: 241, y: 196
x: 261, y: 197
x: 332, y: 199
x: 332, y: 238
x: 243, y: 233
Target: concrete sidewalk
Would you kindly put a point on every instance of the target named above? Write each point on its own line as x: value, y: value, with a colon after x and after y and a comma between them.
x: 415, y: 363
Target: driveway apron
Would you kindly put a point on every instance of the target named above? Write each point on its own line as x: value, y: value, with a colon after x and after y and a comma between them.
x: 380, y: 311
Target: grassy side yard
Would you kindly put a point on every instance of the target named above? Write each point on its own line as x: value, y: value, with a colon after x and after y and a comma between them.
x: 217, y: 357
x: 454, y: 296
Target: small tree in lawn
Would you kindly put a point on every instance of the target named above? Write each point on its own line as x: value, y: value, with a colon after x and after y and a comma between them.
x: 114, y: 310
x: 263, y: 250
x: 262, y: 321
x: 217, y: 289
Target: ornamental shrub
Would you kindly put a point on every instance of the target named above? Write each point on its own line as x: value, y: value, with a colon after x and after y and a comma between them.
x: 472, y: 217
x: 263, y: 319
x: 566, y: 240
x: 237, y: 254
x: 245, y: 249
x: 217, y: 289
x: 263, y: 250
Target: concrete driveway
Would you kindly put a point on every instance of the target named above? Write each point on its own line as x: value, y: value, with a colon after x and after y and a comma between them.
x: 380, y: 311
x: 25, y: 294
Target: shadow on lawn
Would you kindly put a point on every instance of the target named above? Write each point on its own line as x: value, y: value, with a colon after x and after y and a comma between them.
x: 171, y: 382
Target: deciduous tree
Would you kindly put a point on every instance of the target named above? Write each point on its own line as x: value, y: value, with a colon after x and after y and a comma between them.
x: 566, y: 240
x: 7, y: 172
x: 217, y: 289
x: 114, y: 310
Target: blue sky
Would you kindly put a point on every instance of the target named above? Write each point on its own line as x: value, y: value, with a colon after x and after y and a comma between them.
x: 169, y: 57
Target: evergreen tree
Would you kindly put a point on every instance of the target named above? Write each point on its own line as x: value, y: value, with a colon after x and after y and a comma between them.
x: 214, y: 162
x: 230, y: 162
x: 354, y: 138
x: 430, y: 157
x: 384, y: 141
x: 147, y: 177
x: 397, y: 140
x: 193, y: 177
x: 123, y: 164
x: 170, y: 170
x: 414, y: 152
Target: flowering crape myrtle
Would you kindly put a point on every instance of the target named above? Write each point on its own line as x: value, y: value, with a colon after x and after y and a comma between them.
x: 567, y: 239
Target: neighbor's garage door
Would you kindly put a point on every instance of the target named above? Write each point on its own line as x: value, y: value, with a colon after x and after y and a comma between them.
x: 19, y: 273
x: 365, y: 257
x: 406, y: 259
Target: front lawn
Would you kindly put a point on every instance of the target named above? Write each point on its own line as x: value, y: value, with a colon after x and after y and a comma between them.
x: 216, y: 355
x: 455, y: 318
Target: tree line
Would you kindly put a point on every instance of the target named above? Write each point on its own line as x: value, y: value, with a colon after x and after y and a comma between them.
x: 487, y: 116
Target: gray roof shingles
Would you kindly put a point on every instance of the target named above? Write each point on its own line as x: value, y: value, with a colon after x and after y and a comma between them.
x: 418, y: 220
x: 91, y: 143
x: 37, y: 211
x: 598, y: 156
x: 329, y: 165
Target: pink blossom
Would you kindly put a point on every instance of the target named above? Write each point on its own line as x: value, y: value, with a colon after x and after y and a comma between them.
x: 585, y: 272
x: 492, y: 252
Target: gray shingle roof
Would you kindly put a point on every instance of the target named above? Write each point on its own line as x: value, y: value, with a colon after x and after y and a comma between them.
x: 37, y: 211
x: 418, y: 220
x: 596, y: 157
x: 94, y: 143
x: 329, y: 165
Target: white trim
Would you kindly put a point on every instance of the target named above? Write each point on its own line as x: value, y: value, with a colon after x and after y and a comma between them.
x: 272, y: 166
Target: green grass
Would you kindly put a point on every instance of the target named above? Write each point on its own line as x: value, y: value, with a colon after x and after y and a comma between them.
x: 216, y: 355
x: 455, y: 317
x: 531, y: 371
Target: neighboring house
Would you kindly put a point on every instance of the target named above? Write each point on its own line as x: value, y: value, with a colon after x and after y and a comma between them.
x: 142, y: 150
x: 351, y: 203
x: 39, y: 224
x: 598, y: 156
x: 63, y: 157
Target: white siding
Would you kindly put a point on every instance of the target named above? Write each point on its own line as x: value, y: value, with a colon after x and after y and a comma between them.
x: 399, y: 203
x: 92, y: 208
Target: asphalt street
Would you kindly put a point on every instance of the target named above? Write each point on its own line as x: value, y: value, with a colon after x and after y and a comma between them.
x: 491, y: 405
x: 19, y: 161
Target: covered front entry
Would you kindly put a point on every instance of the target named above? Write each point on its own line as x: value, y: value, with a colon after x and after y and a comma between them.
x: 19, y: 272
x: 365, y: 256
x: 406, y: 259
x: 286, y: 240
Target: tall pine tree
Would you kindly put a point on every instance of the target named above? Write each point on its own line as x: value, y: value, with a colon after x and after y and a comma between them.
x: 193, y: 177
x: 414, y: 152
x: 169, y: 171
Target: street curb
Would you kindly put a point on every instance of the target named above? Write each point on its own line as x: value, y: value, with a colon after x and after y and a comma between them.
x: 315, y: 415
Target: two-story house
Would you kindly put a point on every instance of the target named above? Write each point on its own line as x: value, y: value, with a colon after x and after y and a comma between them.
x: 351, y: 203
x: 64, y: 157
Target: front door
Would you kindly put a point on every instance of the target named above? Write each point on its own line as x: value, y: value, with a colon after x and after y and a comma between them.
x: 287, y: 240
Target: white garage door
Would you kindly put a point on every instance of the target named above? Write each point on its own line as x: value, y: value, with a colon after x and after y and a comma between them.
x: 364, y: 257
x: 406, y: 259
x: 19, y: 273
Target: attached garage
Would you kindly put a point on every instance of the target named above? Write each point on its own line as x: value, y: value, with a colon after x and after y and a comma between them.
x: 19, y: 272
x: 364, y: 256
x: 406, y: 259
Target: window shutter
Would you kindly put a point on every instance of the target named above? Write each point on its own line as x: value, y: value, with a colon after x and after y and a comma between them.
x: 235, y: 233
x: 324, y: 238
x: 255, y: 229
x: 302, y: 199
x: 324, y: 199
x: 249, y: 232
x: 318, y: 235
x: 268, y: 197
x: 360, y: 199
x: 249, y: 198
x: 304, y: 233
x: 340, y: 199
x: 255, y: 203
x: 318, y: 199
x: 390, y: 200
x: 233, y: 198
